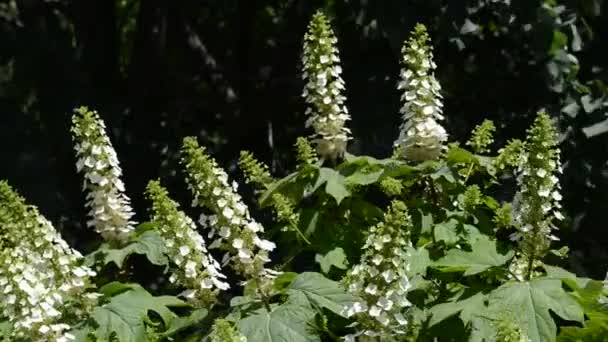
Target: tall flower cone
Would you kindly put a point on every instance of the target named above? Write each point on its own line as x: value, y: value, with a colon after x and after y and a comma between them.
x: 192, y: 265
x: 229, y: 223
x: 421, y: 137
x: 538, y: 197
x: 380, y: 280
x: 110, y: 209
x: 42, y: 279
x: 327, y: 113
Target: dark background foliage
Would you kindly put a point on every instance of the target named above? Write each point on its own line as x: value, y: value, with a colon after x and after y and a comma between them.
x: 228, y: 72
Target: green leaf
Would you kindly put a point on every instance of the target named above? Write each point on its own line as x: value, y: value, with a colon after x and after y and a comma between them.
x: 364, y: 177
x: 284, y: 280
x: 4, y: 329
x: 114, y: 288
x: 457, y: 155
x: 483, y: 255
x: 149, y: 244
x: 277, y: 187
x: 182, y: 323
x: 335, y: 185
x: 321, y: 292
x: 531, y: 303
x: 125, y: 315
x: 419, y: 260
x: 446, y: 232
x: 289, y: 322
x: 560, y: 40
x: 445, y: 172
x: 364, y: 160
x: 472, y: 312
x: 336, y: 258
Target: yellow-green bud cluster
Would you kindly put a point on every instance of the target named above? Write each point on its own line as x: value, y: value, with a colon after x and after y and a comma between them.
x: 509, y: 156
x: 224, y: 331
x: 482, y: 137
x: 256, y: 172
x: 305, y: 154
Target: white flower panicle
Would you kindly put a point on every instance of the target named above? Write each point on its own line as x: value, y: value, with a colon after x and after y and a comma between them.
x: 380, y: 280
x: 195, y: 269
x: 537, y: 201
x: 324, y: 87
x: 42, y: 280
x: 230, y: 225
x: 421, y: 137
x: 110, y: 208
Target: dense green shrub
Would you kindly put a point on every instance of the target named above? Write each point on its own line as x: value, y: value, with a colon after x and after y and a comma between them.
x: 415, y: 247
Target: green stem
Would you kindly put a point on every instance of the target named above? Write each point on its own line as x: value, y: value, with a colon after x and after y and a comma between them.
x: 466, y: 178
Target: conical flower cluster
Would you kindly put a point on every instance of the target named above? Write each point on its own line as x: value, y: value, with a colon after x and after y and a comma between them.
x: 537, y: 202
x: 324, y: 87
x: 194, y: 268
x: 42, y: 280
x: 230, y: 223
x: 380, y: 280
x: 421, y: 137
x: 110, y: 209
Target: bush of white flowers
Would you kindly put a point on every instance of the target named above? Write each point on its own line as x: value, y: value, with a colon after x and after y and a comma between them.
x: 413, y: 247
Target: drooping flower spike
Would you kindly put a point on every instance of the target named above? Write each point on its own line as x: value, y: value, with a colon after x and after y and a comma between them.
x: 110, y: 209
x: 229, y: 224
x: 421, y: 137
x: 323, y: 91
x: 193, y: 267
x: 380, y: 280
x: 42, y: 279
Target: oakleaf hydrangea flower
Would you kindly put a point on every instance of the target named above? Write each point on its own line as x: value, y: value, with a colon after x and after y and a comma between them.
x: 256, y: 172
x: 194, y: 268
x: 509, y: 156
x: 230, y: 223
x: 421, y: 137
x: 110, y: 208
x: 508, y: 331
x: 380, y: 280
x: 537, y: 201
x: 305, y: 153
x: 482, y: 137
x: 324, y: 87
x: 42, y: 280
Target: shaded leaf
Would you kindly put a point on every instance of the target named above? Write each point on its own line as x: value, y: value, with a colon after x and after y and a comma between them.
x: 446, y: 232
x: 276, y: 187
x: 472, y: 311
x: 334, y: 184
x: 149, y: 244
x: 125, y: 315
x: 182, y: 323
x: 336, y: 258
x: 419, y: 260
